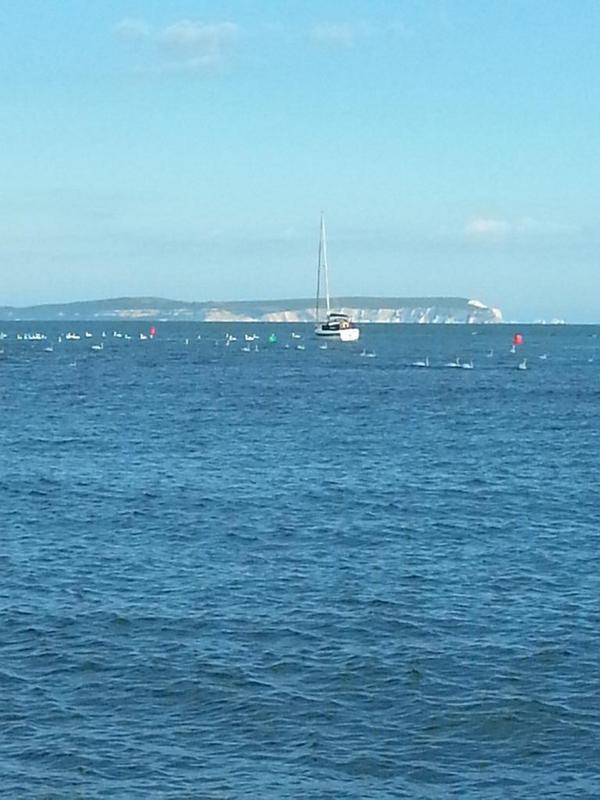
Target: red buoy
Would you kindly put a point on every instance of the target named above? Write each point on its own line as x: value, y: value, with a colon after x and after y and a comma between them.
x: 518, y: 339
x: 153, y: 331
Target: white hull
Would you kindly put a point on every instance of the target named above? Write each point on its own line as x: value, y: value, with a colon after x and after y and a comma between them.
x: 349, y: 334
x: 344, y: 335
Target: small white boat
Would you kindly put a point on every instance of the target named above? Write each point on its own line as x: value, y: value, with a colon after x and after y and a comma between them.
x: 490, y: 354
x: 88, y: 335
x: 72, y: 337
x: 522, y: 364
x: 513, y: 348
x: 421, y: 363
x: 368, y: 353
x: 300, y: 347
x: 143, y: 337
x: 467, y: 365
x: 49, y: 349
x: 322, y: 347
x: 296, y: 335
x: 98, y: 347
x: 544, y: 356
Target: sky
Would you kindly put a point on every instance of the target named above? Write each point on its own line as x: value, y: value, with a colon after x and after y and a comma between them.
x: 187, y: 149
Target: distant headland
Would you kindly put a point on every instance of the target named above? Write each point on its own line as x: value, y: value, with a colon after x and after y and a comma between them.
x: 361, y: 309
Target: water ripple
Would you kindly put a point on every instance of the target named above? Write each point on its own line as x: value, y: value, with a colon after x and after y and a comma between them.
x: 226, y: 576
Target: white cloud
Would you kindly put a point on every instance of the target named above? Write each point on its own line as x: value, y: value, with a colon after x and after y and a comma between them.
x: 198, y: 44
x: 494, y: 229
x: 132, y: 29
x: 184, y: 43
x: 488, y: 228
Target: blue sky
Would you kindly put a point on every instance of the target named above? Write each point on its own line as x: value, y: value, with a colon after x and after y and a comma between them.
x: 186, y: 149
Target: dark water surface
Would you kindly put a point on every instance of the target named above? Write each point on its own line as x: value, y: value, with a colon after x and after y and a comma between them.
x: 300, y: 574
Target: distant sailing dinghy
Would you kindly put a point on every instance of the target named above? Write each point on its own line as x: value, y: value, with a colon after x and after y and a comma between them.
x: 336, y: 325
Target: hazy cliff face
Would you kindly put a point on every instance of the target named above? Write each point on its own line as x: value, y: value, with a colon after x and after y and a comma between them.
x: 466, y: 314
x: 419, y: 310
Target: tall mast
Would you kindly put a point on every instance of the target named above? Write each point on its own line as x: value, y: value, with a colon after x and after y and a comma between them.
x: 322, y: 270
x: 319, y: 273
x: 324, y: 255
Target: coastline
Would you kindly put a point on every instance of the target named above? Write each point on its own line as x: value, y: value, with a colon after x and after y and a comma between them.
x: 386, y: 310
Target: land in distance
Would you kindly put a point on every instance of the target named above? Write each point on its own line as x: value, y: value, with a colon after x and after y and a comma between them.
x: 361, y: 309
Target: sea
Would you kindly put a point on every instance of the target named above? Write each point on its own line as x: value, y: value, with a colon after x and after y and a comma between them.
x: 237, y: 569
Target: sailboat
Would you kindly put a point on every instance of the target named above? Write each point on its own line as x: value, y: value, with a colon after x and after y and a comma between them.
x: 335, y: 325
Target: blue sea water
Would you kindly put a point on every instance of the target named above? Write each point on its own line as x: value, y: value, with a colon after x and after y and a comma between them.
x: 300, y: 573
